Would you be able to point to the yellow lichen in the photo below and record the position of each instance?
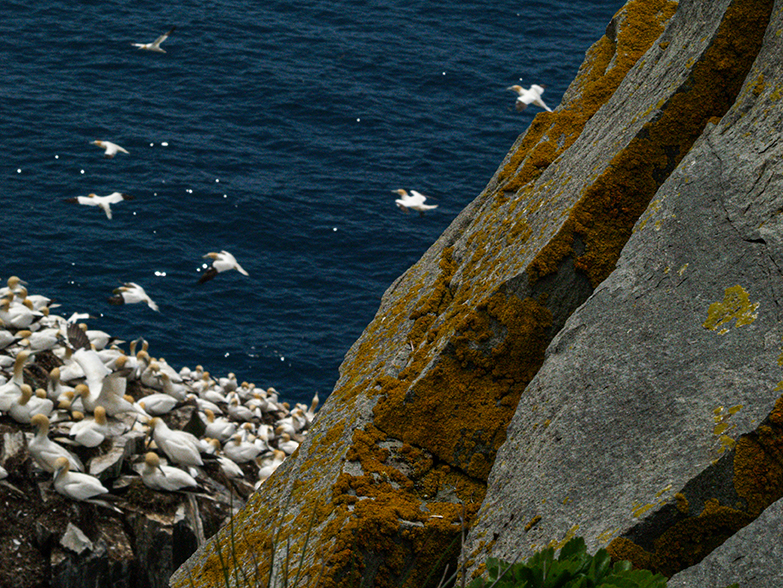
(735, 305)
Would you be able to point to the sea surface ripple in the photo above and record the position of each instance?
(286, 127)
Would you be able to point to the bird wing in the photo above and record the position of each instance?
(520, 105)
(210, 273)
(163, 37)
(114, 198)
(539, 102)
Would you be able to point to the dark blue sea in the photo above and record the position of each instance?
(274, 130)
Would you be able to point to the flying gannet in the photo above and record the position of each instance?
(110, 149)
(130, 293)
(413, 201)
(531, 96)
(102, 202)
(221, 262)
(155, 45)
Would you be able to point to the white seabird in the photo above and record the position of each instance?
(221, 262)
(45, 452)
(525, 97)
(155, 45)
(91, 432)
(161, 477)
(131, 293)
(110, 149)
(102, 202)
(74, 485)
(413, 201)
(28, 405)
(180, 447)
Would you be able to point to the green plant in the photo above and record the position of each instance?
(573, 568)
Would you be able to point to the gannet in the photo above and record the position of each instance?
(12, 287)
(74, 485)
(91, 432)
(162, 477)
(102, 202)
(110, 149)
(155, 45)
(218, 428)
(45, 452)
(157, 404)
(27, 405)
(240, 451)
(221, 262)
(17, 315)
(11, 390)
(42, 339)
(239, 411)
(130, 293)
(286, 444)
(270, 464)
(180, 447)
(414, 201)
(531, 96)
(95, 371)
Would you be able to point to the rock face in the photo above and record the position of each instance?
(655, 425)
(652, 424)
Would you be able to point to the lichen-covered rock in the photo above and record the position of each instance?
(751, 557)
(655, 426)
(402, 449)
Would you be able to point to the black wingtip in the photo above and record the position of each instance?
(208, 275)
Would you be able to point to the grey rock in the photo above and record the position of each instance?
(651, 424)
(748, 557)
(75, 540)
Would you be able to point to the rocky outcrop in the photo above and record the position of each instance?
(654, 425)
(659, 144)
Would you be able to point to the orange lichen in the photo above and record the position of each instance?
(604, 216)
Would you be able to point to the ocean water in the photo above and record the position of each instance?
(274, 130)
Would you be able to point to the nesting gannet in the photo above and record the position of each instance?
(11, 390)
(218, 428)
(102, 202)
(110, 149)
(157, 404)
(155, 45)
(527, 97)
(45, 452)
(180, 447)
(221, 262)
(131, 293)
(91, 432)
(18, 315)
(240, 451)
(12, 286)
(286, 444)
(74, 485)
(270, 464)
(42, 339)
(28, 405)
(162, 477)
(413, 201)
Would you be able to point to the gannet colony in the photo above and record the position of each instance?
(85, 421)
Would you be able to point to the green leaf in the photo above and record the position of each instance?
(600, 566)
(575, 546)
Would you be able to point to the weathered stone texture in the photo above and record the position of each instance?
(654, 426)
